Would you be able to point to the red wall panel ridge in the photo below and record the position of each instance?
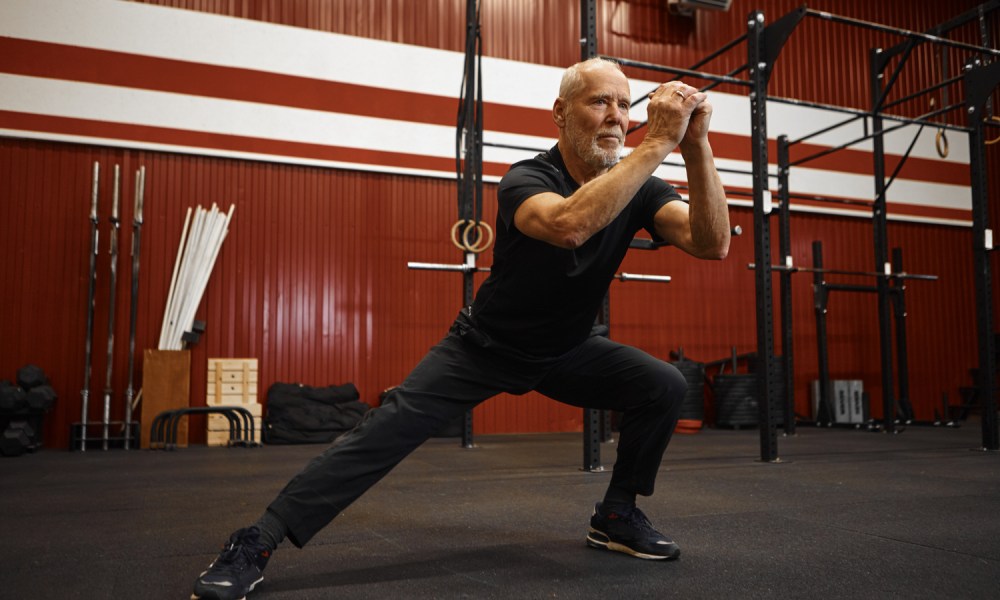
(312, 281)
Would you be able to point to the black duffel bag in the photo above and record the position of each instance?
(302, 414)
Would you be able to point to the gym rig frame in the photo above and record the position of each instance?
(764, 44)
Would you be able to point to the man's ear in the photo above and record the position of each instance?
(558, 112)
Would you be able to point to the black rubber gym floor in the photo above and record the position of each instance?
(847, 514)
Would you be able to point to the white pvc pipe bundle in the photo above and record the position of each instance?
(200, 242)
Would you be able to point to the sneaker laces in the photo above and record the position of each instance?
(239, 553)
(636, 518)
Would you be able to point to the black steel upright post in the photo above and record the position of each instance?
(785, 248)
(588, 29)
(902, 359)
(467, 297)
(605, 319)
(759, 73)
(470, 183)
(979, 84)
(823, 410)
(592, 418)
(881, 244)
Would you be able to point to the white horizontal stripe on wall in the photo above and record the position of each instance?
(150, 30)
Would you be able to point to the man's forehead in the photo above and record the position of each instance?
(608, 93)
(606, 81)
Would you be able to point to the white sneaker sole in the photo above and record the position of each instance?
(596, 539)
(250, 589)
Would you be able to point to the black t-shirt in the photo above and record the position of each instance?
(541, 299)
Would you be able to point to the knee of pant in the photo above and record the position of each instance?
(671, 386)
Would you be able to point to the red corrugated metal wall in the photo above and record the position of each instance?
(312, 279)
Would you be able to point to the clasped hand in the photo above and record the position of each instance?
(678, 114)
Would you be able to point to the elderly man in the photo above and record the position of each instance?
(565, 221)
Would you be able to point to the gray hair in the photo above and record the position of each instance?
(572, 79)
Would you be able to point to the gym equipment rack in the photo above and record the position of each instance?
(764, 44)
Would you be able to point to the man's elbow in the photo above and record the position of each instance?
(572, 241)
(565, 238)
(568, 233)
(717, 251)
(720, 253)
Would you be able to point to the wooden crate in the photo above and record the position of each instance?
(218, 426)
(219, 421)
(221, 438)
(231, 382)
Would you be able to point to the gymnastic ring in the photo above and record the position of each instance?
(479, 246)
(941, 143)
(465, 245)
(996, 139)
(454, 234)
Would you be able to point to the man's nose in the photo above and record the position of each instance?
(616, 114)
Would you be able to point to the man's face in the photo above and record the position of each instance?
(596, 117)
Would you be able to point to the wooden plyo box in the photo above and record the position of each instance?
(218, 426)
(231, 382)
(166, 385)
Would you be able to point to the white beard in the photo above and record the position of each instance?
(596, 157)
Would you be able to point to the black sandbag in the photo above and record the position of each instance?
(302, 414)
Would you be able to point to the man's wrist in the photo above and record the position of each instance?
(696, 150)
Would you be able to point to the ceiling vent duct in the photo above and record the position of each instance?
(687, 7)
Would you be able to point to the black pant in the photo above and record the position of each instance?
(466, 368)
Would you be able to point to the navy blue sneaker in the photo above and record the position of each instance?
(629, 531)
(238, 568)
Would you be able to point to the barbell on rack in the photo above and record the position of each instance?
(901, 275)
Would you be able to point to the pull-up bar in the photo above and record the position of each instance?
(710, 86)
(839, 147)
(975, 13)
(668, 163)
(828, 129)
(925, 37)
(678, 71)
(702, 63)
(873, 135)
(862, 113)
(665, 163)
(928, 89)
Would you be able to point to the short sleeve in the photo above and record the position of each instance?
(524, 180)
(654, 195)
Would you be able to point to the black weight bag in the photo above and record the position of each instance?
(302, 414)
